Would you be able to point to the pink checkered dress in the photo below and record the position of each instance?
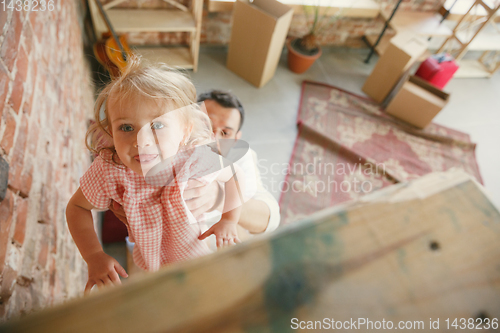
(164, 229)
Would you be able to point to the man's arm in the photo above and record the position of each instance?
(254, 216)
(261, 212)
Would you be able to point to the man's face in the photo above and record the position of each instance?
(225, 121)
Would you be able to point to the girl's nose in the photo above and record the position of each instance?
(145, 138)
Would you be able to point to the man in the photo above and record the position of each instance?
(261, 212)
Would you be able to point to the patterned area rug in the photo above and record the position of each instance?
(348, 147)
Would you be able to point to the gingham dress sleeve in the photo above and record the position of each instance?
(93, 185)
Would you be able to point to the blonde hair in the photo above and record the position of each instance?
(166, 86)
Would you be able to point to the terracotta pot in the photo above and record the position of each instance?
(298, 62)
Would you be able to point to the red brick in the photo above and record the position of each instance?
(33, 138)
(41, 26)
(16, 97)
(16, 165)
(6, 212)
(27, 178)
(3, 19)
(27, 105)
(52, 272)
(10, 130)
(22, 214)
(44, 247)
(27, 174)
(47, 200)
(35, 27)
(19, 82)
(4, 177)
(54, 238)
(9, 276)
(47, 53)
(33, 18)
(4, 87)
(28, 98)
(22, 64)
(10, 45)
(28, 38)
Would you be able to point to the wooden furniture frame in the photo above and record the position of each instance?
(472, 34)
(348, 8)
(425, 24)
(179, 19)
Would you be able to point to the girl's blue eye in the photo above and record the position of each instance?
(126, 128)
(157, 126)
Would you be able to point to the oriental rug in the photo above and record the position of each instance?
(347, 146)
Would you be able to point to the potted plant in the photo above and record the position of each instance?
(303, 52)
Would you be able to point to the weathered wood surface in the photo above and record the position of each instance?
(428, 249)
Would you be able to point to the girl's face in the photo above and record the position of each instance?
(143, 133)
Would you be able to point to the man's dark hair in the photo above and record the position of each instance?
(225, 99)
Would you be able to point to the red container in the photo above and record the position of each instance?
(437, 73)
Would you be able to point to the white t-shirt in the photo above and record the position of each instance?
(253, 190)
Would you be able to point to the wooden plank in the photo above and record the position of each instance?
(484, 41)
(461, 7)
(410, 252)
(163, 20)
(346, 8)
(112, 4)
(178, 56)
(97, 20)
(422, 23)
(471, 68)
(177, 5)
(220, 5)
(382, 45)
(197, 7)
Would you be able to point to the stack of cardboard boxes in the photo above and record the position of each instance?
(406, 97)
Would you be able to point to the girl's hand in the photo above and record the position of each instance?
(225, 233)
(103, 271)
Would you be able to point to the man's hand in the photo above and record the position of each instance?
(103, 271)
(201, 198)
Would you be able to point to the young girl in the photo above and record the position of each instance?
(150, 138)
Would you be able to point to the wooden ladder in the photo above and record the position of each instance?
(466, 37)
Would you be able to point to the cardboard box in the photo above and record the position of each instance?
(417, 102)
(403, 50)
(257, 39)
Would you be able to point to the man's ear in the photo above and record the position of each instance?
(238, 135)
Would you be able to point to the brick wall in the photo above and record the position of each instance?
(216, 27)
(46, 97)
